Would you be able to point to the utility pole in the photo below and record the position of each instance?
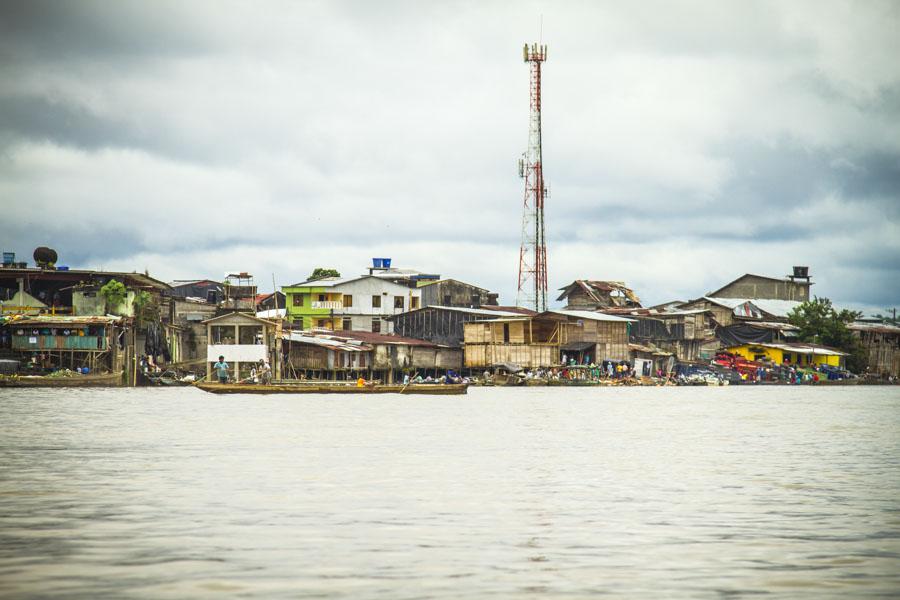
(533, 251)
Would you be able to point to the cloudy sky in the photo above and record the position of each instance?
(684, 143)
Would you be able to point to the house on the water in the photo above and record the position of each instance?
(794, 287)
(349, 354)
(353, 304)
(882, 344)
(541, 340)
(444, 324)
(243, 340)
(586, 294)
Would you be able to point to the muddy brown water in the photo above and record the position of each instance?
(505, 493)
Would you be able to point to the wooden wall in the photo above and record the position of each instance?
(525, 355)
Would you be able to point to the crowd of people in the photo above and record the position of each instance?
(572, 370)
(260, 372)
(452, 377)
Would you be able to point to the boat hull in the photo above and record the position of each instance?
(330, 388)
(102, 380)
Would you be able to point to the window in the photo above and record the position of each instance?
(222, 334)
(322, 323)
(476, 301)
(376, 325)
(348, 301)
(376, 301)
(414, 303)
(250, 334)
(448, 300)
(398, 302)
(506, 333)
(347, 324)
(298, 300)
(321, 297)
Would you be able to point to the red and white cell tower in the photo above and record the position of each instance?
(533, 252)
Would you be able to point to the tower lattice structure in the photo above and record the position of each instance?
(533, 251)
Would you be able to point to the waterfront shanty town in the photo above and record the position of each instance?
(393, 324)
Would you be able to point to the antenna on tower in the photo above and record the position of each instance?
(533, 251)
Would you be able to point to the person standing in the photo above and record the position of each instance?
(265, 372)
(221, 369)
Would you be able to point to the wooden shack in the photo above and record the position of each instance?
(58, 342)
(684, 333)
(385, 357)
(312, 356)
(243, 340)
(541, 340)
(442, 324)
(882, 344)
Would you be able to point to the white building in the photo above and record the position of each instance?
(356, 303)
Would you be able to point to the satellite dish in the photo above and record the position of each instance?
(45, 257)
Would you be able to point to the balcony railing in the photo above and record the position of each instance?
(328, 304)
(58, 342)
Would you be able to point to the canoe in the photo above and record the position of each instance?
(92, 380)
(331, 388)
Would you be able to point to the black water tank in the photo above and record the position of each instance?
(801, 272)
(45, 256)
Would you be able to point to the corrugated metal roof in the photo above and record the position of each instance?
(67, 320)
(371, 337)
(874, 327)
(474, 311)
(73, 275)
(650, 312)
(240, 314)
(327, 281)
(776, 308)
(593, 316)
(800, 348)
(331, 344)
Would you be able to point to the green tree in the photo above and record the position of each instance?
(145, 309)
(322, 273)
(820, 323)
(114, 293)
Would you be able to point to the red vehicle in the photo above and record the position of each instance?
(738, 363)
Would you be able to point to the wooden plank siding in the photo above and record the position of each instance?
(537, 342)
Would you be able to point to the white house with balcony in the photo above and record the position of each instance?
(352, 304)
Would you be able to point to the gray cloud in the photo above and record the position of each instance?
(684, 144)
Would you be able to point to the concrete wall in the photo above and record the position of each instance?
(450, 292)
(361, 311)
(753, 286)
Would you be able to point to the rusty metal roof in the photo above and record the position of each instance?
(67, 320)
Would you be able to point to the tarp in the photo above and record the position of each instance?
(737, 335)
(578, 346)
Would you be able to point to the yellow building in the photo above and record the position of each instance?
(794, 354)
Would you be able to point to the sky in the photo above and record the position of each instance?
(684, 143)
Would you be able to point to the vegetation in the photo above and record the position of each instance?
(114, 293)
(821, 323)
(145, 310)
(322, 273)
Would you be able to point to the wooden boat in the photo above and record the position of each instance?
(92, 380)
(323, 387)
(168, 378)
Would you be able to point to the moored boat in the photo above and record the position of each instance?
(322, 387)
(91, 380)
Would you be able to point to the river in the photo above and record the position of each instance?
(505, 493)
